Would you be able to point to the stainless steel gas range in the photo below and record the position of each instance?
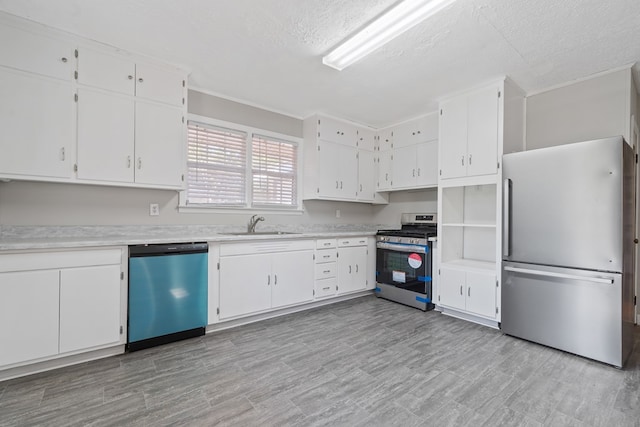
(404, 261)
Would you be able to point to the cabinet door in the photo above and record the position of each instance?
(365, 139)
(427, 164)
(245, 284)
(106, 71)
(159, 145)
(453, 138)
(366, 175)
(352, 269)
(482, 140)
(105, 136)
(336, 131)
(28, 315)
(35, 53)
(348, 167)
(385, 140)
(89, 307)
(160, 85)
(452, 288)
(328, 169)
(384, 173)
(481, 293)
(293, 277)
(404, 166)
(36, 118)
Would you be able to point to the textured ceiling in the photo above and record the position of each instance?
(268, 52)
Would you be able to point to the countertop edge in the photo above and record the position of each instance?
(17, 244)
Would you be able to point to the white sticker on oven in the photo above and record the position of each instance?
(415, 260)
(399, 276)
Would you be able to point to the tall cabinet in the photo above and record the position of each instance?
(476, 129)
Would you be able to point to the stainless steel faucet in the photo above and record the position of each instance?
(251, 227)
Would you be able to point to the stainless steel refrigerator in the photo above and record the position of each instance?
(567, 271)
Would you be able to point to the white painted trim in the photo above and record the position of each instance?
(579, 80)
(243, 101)
(47, 365)
(469, 317)
(282, 312)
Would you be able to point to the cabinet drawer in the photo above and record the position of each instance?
(326, 255)
(326, 243)
(352, 241)
(325, 271)
(325, 287)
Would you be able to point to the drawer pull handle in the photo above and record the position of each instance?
(326, 289)
(326, 271)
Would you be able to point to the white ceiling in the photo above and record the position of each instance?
(268, 52)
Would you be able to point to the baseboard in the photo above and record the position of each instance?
(470, 317)
(47, 365)
(227, 324)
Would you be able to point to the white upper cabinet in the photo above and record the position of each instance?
(332, 166)
(36, 118)
(36, 53)
(105, 136)
(329, 129)
(73, 110)
(106, 71)
(36, 105)
(157, 84)
(413, 156)
(366, 175)
(416, 131)
(365, 139)
(159, 163)
(130, 128)
(472, 130)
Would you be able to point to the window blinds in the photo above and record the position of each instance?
(216, 164)
(274, 170)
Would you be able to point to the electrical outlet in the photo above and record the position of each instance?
(154, 209)
(337, 213)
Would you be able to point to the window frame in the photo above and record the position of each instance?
(250, 131)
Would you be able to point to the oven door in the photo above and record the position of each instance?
(404, 266)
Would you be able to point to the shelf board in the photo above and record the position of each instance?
(462, 224)
(470, 264)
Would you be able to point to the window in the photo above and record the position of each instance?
(216, 166)
(274, 169)
(239, 168)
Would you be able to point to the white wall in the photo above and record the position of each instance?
(590, 109)
(410, 201)
(33, 203)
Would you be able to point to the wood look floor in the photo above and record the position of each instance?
(364, 362)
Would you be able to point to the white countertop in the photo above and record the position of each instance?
(31, 238)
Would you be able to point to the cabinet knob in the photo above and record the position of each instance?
(469, 292)
(63, 59)
(62, 154)
(461, 290)
(130, 77)
(462, 160)
(469, 158)
(140, 80)
(128, 162)
(139, 162)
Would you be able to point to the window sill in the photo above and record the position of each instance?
(237, 210)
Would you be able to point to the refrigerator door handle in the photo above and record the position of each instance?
(506, 218)
(559, 275)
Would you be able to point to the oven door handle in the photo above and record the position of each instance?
(403, 247)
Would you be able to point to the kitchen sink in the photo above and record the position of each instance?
(259, 233)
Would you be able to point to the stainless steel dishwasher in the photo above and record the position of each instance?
(167, 293)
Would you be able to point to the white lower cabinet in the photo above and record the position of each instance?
(470, 291)
(256, 277)
(89, 307)
(59, 303)
(28, 315)
(353, 254)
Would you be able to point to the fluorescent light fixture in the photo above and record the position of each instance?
(388, 26)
